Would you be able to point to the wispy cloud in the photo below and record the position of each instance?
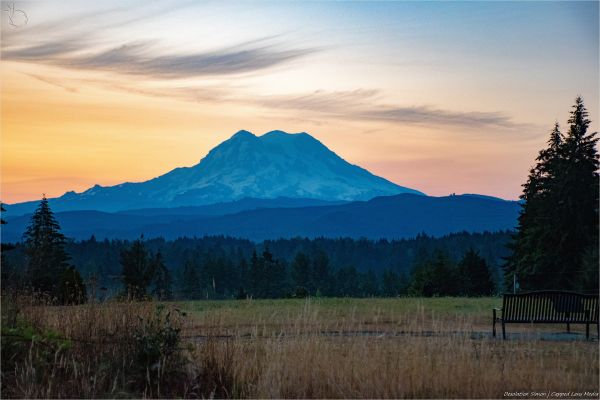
(365, 104)
(141, 58)
(430, 115)
(76, 42)
(54, 82)
(138, 58)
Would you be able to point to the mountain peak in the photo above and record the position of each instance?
(278, 132)
(243, 134)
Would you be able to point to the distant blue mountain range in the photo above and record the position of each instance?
(399, 216)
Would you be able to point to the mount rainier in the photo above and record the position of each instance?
(276, 164)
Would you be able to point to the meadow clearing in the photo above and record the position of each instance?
(302, 348)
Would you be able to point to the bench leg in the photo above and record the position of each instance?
(503, 331)
(494, 328)
(587, 331)
(568, 328)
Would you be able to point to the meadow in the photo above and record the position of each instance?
(296, 348)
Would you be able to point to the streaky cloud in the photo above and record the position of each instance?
(363, 104)
(137, 58)
(140, 58)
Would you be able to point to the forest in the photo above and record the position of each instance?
(223, 267)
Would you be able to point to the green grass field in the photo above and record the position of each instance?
(388, 315)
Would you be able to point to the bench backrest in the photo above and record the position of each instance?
(550, 306)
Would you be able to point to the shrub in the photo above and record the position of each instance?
(157, 348)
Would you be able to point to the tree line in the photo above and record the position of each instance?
(265, 276)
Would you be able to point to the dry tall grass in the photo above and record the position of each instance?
(400, 348)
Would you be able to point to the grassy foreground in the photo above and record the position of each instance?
(302, 348)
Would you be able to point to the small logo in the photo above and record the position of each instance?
(16, 18)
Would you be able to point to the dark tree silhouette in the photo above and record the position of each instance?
(138, 270)
(475, 277)
(45, 250)
(190, 280)
(2, 221)
(390, 283)
(321, 274)
(162, 278)
(557, 232)
(301, 273)
(435, 277)
(72, 289)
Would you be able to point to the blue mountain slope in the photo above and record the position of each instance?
(276, 164)
(232, 207)
(399, 216)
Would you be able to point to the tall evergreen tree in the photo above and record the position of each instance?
(72, 289)
(369, 284)
(435, 277)
(162, 278)
(10, 277)
(474, 275)
(577, 208)
(45, 250)
(558, 223)
(138, 270)
(255, 276)
(2, 210)
(301, 273)
(321, 274)
(242, 291)
(347, 282)
(273, 279)
(390, 283)
(190, 280)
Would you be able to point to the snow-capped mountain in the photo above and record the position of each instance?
(276, 164)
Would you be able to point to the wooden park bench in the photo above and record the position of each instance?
(548, 307)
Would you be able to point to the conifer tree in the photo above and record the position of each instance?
(2, 210)
(475, 278)
(390, 283)
(138, 270)
(321, 274)
(190, 280)
(72, 289)
(370, 284)
(347, 282)
(255, 278)
(435, 277)
(301, 273)
(45, 250)
(577, 208)
(162, 278)
(557, 229)
(273, 277)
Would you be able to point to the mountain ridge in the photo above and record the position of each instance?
(390, 217)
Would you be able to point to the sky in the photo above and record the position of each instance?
(443, 97)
